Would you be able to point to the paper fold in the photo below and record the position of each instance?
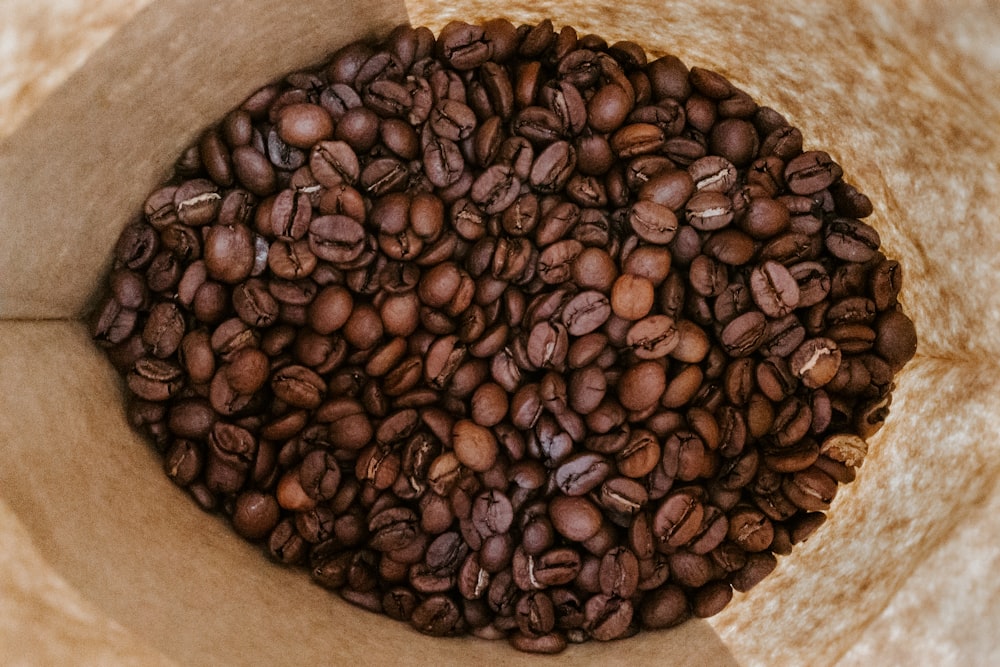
(133, 572)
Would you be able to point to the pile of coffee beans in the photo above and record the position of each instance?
(510, 332)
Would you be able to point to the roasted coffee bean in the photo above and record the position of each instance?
(744, 334)
(664, 608)
(851, 240)
(816, 362)
(586, 312)
(774, 289)
(652, 221)
(678, 519)
(811, 172)
(255, 514)
(895, 338)
(607, 617)
(509, 332)
(574, 517)
(298, 386)
(653, 337)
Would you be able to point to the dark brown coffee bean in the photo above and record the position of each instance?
(594, 269)
(653, 337)
(607, 617)
(437, 616)
(896, 338)
(653, 222)
(774, 289)
(713, 173)
(336, 238)
(323, 311)
(154, 379)
(641, 386)
(475, 446)
(677, 519)
(811, 172)
(708, 210)
(586, 312)
(711, 599)
(851, 240)
(333, 163)
(664, 608)
(547, 345)
(765, 218)
(255, 514)
(744, 334)
(302, 125)
(358, 127)
(574, 517)
(196, 202)
(463, 46)
(298, 386)
(735, 140)
(553, 167)
(254, 171)
(757, 567)
(816, 362)
(636, 139)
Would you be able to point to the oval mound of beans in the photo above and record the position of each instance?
(509, 331)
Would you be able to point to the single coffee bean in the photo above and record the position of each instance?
(302, 125)
(816, 362)
(811, 172)
(895, 338)
(851, 240)
(709, 210)
(574, 517)
(664, 608)
(652, 221)
(774, 289)
(475, 446)
(641, 386)
(586, 312)
(744, 334)
(255, 514)
(653, 337)
(678, 519)
(607, 617)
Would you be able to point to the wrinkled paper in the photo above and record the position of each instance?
(104, 561)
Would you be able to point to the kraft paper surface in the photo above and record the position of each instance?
(103, 561)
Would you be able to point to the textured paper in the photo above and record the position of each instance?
(104, 561)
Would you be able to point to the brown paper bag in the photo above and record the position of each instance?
(104, 561)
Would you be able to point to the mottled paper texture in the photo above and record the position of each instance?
(104, 561)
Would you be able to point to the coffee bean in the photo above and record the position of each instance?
(653, 337)
(811, 172)
(816, 362)
(475, 446)
(665, 608)
(774, 289)
(302, 125)
(607, 617)
(851, 240)
(744, 334)
(896, 338)
(255, 514)
(632, 297)
(586, 312)
(709, 210)
(574, 517)
(677, 519)
(653, 222)
(512, 315)
(641, 386)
